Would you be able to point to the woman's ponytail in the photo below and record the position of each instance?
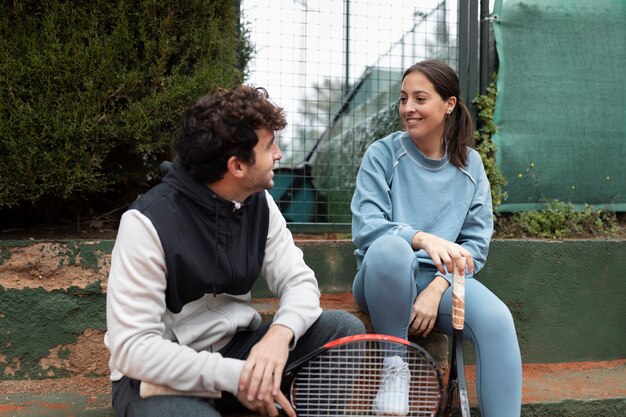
(459, 133)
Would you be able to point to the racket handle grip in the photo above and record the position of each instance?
(458, 297)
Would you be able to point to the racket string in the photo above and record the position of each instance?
(345, 381)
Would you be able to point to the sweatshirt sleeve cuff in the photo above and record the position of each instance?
(447, 276)
(295, 323)
(228, 374)
(407, 234)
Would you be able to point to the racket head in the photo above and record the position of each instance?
(344, 376)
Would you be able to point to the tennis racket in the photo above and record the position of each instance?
(456, 392)
(342, 378)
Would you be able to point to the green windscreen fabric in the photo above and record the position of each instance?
(561, 104)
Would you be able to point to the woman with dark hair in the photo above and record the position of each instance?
(423, 204)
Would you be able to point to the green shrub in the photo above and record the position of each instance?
(91, 91)
(557, 219)
(485, 106)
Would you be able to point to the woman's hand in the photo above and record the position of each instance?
(442, 252)
(426, 306)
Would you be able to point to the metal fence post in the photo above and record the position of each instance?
(469, 51)
(485, 44)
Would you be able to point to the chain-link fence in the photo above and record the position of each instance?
(336, 67)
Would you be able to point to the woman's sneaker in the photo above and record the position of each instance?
(392, 398)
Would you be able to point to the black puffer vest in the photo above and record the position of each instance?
(210, 244)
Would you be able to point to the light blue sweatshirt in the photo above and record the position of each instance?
(400, 191)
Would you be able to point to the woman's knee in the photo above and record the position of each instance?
(485, 313)
(389, 245)
(492, 320)
(389, 254)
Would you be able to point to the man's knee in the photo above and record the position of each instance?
(343, 322)
(179, 406)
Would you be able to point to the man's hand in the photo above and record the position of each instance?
(266, 408)
(259, 384)
(442, 251)
(426, 306)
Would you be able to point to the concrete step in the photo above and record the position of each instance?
(585, 389)
(52, 321)
(573, 389)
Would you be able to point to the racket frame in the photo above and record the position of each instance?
(457, 384)
(291, 371)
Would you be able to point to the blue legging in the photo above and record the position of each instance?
(388, 282)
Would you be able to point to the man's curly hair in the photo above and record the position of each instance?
(221, 124)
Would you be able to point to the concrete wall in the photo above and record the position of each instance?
(567, 298)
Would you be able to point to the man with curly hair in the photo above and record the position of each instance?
(187, 254)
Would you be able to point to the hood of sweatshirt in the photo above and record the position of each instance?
(211, 245)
